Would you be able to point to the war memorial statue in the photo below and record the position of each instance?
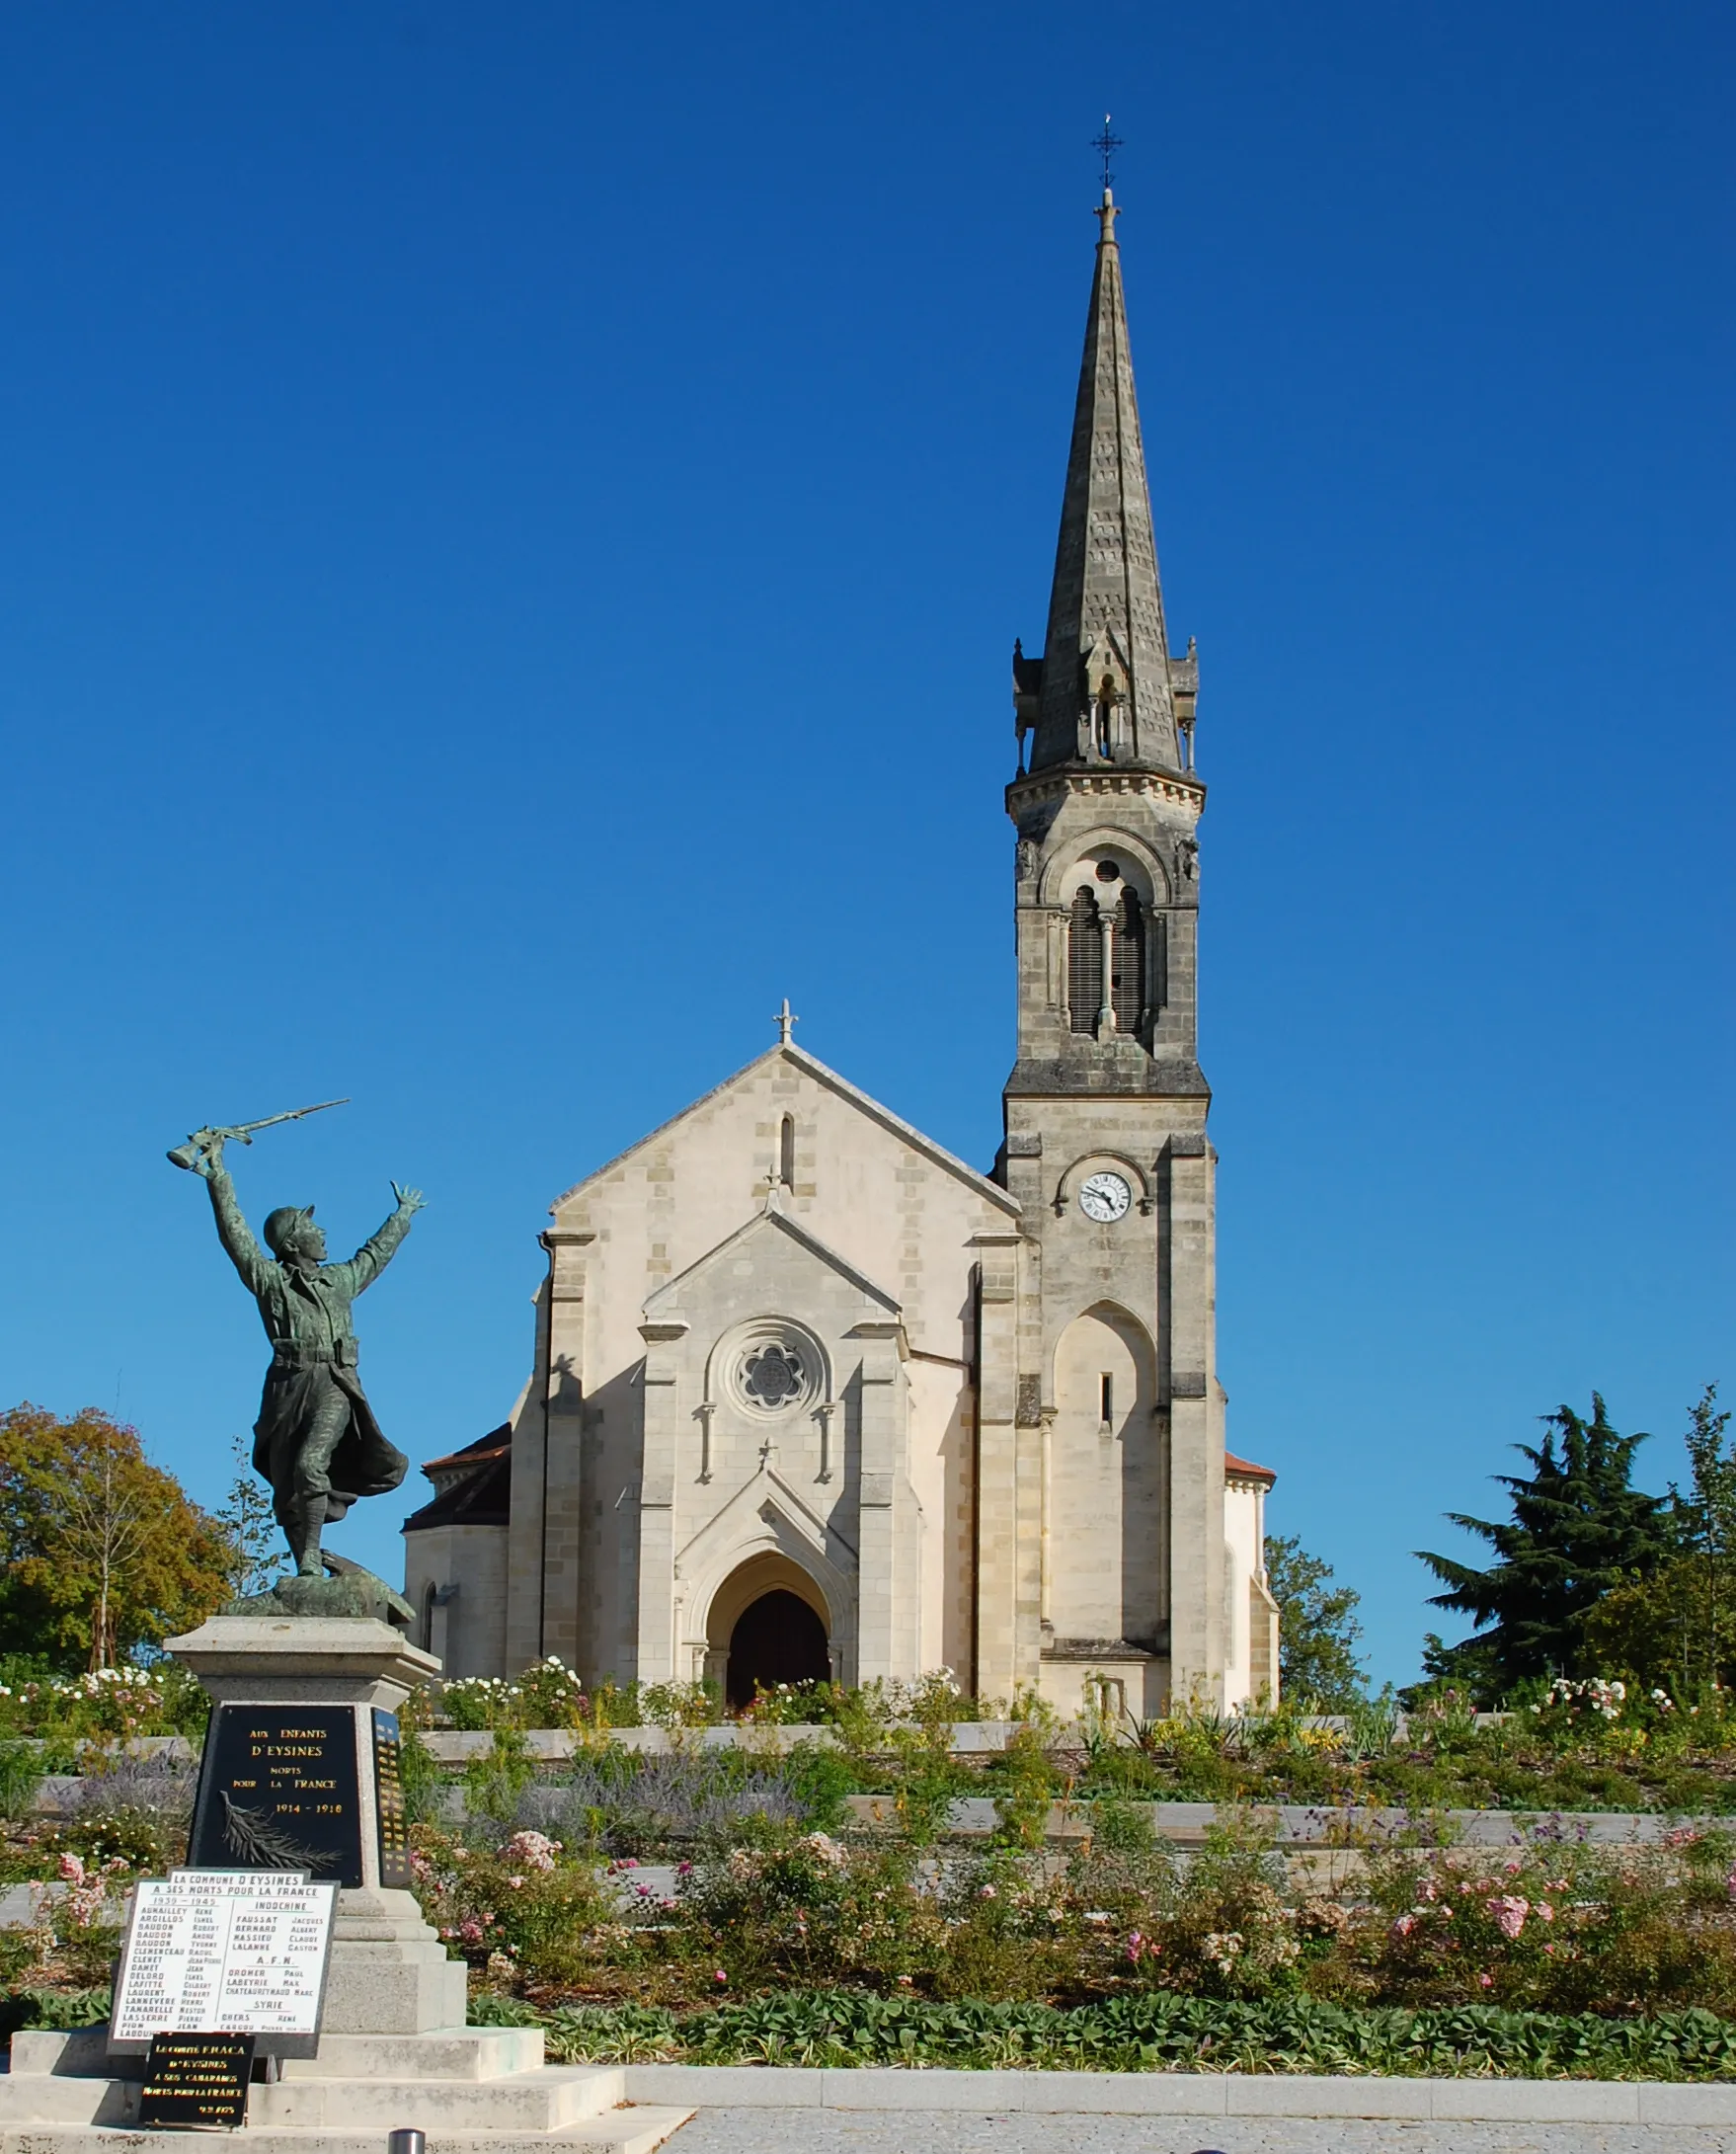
(316, 1440)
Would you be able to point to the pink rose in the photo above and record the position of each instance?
(1509, 1911)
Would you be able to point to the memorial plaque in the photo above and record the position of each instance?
(388, 1797)
(280, 1788)
(196, 2082)
(235, 1952)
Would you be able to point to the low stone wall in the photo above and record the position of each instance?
(969, 1738)
(1186, 1824)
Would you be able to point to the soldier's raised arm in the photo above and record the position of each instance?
(233, 1231)
(379, 1251)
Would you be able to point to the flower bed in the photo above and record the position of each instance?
(768, 1886)
(763, 1904)
(1578, 1746)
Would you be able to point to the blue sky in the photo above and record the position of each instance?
(513, 524)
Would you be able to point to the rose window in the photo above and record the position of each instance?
(772, 1376)
(775, 1367)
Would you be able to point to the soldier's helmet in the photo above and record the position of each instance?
(281, 1225)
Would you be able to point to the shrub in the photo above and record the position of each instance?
(522, 1910)
(1547, 1923)
(618, 1803)
(782, 1906)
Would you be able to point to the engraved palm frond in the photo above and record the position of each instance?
(261, 1842)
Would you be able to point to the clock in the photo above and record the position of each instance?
(1104, 1197)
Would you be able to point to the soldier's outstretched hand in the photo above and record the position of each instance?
(408, 1200)
(209, 1158)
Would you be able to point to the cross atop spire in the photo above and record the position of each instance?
(784, 1019)
(1106, 689)
(1107, 144)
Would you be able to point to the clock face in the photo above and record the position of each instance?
(1104, 1197)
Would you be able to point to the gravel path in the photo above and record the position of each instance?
(939, 2132)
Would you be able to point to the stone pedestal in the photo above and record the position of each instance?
(390, 1973)
(297, 1700)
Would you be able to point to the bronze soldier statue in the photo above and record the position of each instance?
(316, 1440)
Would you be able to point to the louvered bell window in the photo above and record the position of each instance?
(1084, 964)
(1128, 989)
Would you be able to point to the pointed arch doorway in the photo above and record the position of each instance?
(768, 1623)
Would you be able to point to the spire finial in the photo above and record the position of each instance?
(784, 1019)
(1106, 145)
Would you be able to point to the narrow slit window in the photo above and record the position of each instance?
(1106, 1395)
(786, 1152)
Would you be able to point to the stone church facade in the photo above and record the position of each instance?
(811, 1395)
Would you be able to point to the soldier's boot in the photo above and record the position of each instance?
(304, 1537)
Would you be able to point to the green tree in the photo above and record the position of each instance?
(1677, 1626)
(100, 1550)
(250, 1527)
(1317, 1629)
(1579, 1529)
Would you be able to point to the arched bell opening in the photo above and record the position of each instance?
(768, 1624)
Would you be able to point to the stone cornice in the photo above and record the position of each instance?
(1062, 780)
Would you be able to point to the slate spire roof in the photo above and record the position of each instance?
(1106, 688)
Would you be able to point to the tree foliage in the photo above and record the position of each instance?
(1677, 1626)
(248, 1525)
(1317, 1629)
(1579, 1531)
(100, 1550)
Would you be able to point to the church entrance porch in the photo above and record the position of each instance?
(768, 1622)
(777, 1639)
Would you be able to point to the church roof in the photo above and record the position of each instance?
(473, 1484)
(1106, 604)
(811, 1067)
(1244, 1470)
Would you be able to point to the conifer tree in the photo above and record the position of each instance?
(1579, 1529)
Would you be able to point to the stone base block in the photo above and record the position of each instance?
(389, 1971)
(394, 1996)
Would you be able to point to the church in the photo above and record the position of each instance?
(808, 1395)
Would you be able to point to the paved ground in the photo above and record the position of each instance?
(937, 2131)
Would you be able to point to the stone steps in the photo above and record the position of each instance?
(456, 2053)
(543, 2101)
(468, 2088)
(621, 2131)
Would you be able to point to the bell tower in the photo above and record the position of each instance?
(1105, 1108)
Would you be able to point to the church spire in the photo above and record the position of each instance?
(1106, 689)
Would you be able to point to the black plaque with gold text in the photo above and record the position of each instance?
(388, 1797)
(196, 2082)
(280, 1789)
